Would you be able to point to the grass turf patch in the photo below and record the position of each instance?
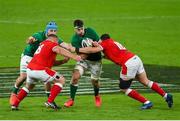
(115, 106)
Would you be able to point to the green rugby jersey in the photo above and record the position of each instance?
(91, 34)
(31, 48)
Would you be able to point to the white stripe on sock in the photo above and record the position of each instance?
(147, 102)
(25, 89)
(165, 96)
(59, 84)
(16, 86)
(74, 84)
(47, 92)
(150, 84)
(128, 91)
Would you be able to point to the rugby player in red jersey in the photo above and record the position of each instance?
(33, 43)
(131, 68)
(39, 68)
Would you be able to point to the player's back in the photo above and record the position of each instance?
(44, 56)
(115, 51)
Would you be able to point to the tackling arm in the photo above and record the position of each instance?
(64, 52)
(90, 49)
(65, 45)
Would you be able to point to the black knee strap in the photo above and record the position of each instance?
(125, 84)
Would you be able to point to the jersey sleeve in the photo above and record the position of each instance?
(60, 41)
(37, 36)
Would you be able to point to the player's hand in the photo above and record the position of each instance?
(95, 44)
(78, 58)
(30, 40)
(72, 49)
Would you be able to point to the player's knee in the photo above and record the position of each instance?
(125, 84)
(79, 70)
(74, 81)
(75, 77)
(60, 79)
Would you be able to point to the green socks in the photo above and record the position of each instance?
(96, 91)
(15, 90)
(73, 90)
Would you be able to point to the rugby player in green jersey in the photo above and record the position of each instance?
(33, 43)
(91, 62)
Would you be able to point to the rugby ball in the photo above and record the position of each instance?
(86, 42)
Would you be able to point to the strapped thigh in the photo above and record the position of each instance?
(125, 84)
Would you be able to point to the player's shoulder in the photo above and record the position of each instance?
(49, 42)
(42, 33)
(74, 37)
(89, 29)
(39, 35)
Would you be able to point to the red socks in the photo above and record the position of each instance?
(154, 86)
(135, 95)
(21, 95)
(55, 90)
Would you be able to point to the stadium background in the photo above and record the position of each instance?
(149, 28)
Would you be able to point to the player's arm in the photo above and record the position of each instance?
(64, 52)
(87, 50)
(60, 62)
(35, 37)
(65, 45)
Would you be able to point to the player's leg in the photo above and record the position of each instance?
(59, 81)
(125, 87)
(19, 81)
(47, 87)
(128, 73)
(55, 90)
(142, 77)
(96, 68)
(23, 93)
(73, 88)
(22, 77)
(77, 73)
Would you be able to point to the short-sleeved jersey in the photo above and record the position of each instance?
(31, 48)
(115, 52)
(44, 56)
(89, 34)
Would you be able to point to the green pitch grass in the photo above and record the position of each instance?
(149, 28)
(115, 106)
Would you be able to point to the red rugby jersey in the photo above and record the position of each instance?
(44, 56)
(115, 52)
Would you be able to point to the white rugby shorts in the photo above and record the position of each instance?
(95, 67)
(24, 62)
(46, 75)
(131, 68)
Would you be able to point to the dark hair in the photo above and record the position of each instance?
(105, 36)
(78, 23)
(53, 35)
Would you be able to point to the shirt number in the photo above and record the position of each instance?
(121, 47)
(39, 49)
